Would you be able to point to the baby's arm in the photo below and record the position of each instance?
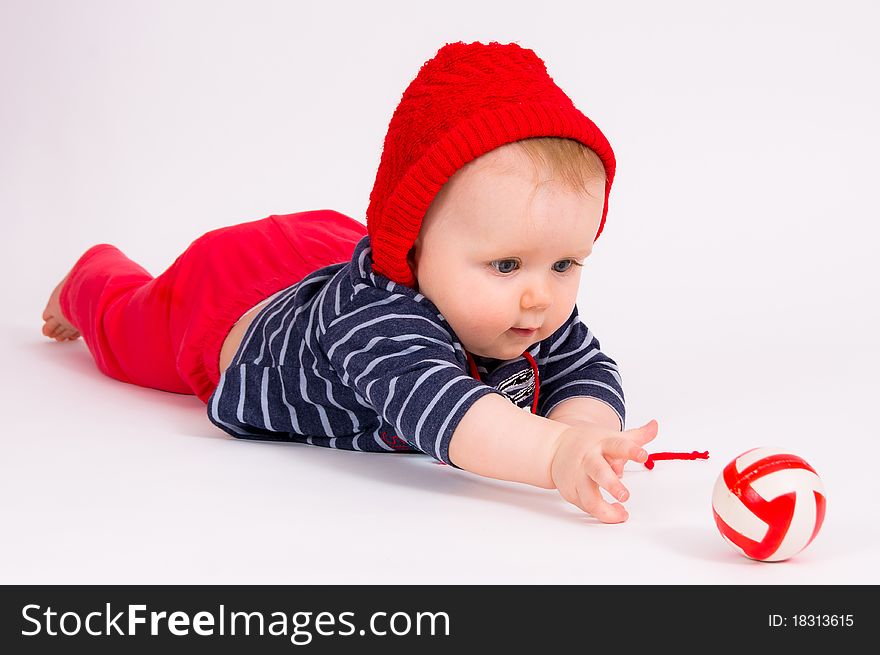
(585, 410)
(499, 440)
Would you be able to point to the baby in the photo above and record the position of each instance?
(448, 327)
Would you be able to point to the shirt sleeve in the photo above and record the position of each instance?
(572, 364)
(400, 358)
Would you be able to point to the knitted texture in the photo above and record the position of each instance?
(465, 101)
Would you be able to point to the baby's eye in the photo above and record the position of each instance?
(562, 265)
(505, 265)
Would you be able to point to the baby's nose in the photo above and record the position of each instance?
(536, 296)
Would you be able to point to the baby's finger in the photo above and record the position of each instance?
(623, 448)
(603, 475)
(643, 434)
(591, 501)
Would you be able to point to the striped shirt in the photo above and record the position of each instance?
(346, 358)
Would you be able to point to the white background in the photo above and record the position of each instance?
(736, 282)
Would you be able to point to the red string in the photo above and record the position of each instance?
(649, 463)
(534, 366)
(476, 375)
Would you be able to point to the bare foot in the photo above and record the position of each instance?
(56, 326)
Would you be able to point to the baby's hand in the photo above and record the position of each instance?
(583, 461)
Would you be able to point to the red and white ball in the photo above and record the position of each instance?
(768, 504)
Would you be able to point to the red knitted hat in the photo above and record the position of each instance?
(465, 101)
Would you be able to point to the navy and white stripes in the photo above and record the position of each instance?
(348, 359)
(572, 364)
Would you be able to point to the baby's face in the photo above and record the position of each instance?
(499, 252)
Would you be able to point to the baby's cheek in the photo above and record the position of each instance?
(481, 310)
(491, 319)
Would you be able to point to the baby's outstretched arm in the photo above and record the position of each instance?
(583, 409)
(499, 440)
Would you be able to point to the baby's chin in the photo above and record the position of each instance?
(503, 351)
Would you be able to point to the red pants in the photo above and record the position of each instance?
(166, 332)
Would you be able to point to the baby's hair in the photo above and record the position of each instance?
(566, 159)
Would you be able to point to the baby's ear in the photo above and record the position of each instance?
(412, 260)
